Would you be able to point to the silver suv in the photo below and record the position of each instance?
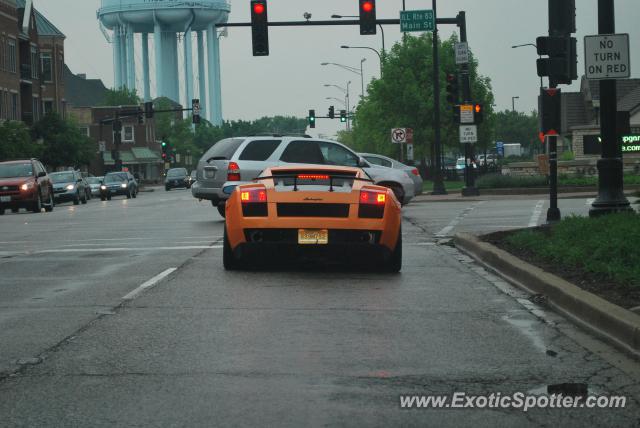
(233, 161)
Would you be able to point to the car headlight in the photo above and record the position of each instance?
(103, 187)
(70, 187)
(123, 185)
(27, 186)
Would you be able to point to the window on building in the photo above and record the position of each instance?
(3, 109)
(85, 130)
(35, 105)
(47, 72)
(47, 107)
(34, 63)
(12, 59)
(127, 133)
(14, 106)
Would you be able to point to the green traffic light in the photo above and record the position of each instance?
(164, 144)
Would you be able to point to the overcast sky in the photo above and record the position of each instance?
(290, 81)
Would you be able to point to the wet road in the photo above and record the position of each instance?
(120, 313)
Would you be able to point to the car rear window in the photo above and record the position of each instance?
(259, 150)
(224, 149)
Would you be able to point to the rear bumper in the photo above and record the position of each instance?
(198, 190)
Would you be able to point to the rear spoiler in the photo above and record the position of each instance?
(331, 178)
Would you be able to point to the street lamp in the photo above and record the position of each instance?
(346, 92)
(336, 99)
(366, 47)
(535, 46)
(351, 69)
(513, 103)
(353, 16)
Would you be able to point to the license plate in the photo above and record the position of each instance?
(313, 236)
(5, 198)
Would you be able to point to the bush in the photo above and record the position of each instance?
(567, 156)
(497, 181)
(606, 245)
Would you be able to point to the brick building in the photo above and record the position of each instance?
(31, 63)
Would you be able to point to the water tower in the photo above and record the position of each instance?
(167, 21)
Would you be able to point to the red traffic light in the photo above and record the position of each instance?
(258, 8)
(478, 108)
(451, 77)
(367, 6)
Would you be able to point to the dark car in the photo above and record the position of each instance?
(69, 186)
(177, 177)
(25, 184)
(118, 183)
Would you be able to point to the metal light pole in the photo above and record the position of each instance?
(438, 183)
(346, 98)
(336, 99)
(354, 16)
(611, 197)
(366, 47)
(539, 56)
(351, 69)
(513, 103)
(362, 79)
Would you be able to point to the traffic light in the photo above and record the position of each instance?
(140, 117)
(259, 28)
(343, 116)
(195, 110)
(478, 113)
(165, 151)
(453, 91)
(367, 17)
(148, 110)
(312, 118)
(332, 112)
(550, 105)
(562, 65)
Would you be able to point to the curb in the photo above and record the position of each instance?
(610, 322)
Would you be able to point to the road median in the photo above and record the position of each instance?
(611, 322)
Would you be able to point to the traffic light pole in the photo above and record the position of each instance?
(470, 188)
(611, 196)
(553, 213)
(438, 183)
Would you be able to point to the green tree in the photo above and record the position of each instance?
(517, 127)
(64, 144)
(403, 97)
(16, 143)
(121, 97)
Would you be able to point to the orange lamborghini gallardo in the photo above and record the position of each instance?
(313, 212)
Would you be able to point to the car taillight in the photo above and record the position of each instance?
(415, 172)
(371, 197)
(233, 172)
(253, 195)
(254, 202)
(372, 203)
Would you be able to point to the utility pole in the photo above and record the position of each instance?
(470, 188)
(611, 196)
(438, 184)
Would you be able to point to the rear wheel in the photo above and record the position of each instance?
(229, 261)
(399, 192)
(394, 264)
(221, 209)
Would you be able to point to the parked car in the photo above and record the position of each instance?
(118, 183)
(94, 185)
(177, 177)
(25, 184)
(193, 177)
(387, 162)
(69, 186)
(232, 161)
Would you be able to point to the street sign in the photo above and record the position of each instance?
(410, 152)
(468, 134)
(399, 135)
(462, 53)
(500, 148)
(417, 20)
(466, 113)
(409, 132)
(606, 56)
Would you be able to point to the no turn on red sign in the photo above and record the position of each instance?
(606, 56)
(402, 135)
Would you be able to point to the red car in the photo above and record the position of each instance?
(25, 184)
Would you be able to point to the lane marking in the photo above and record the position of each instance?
(537, 212)
(447, 230)
(97, 250)
(148, 284)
